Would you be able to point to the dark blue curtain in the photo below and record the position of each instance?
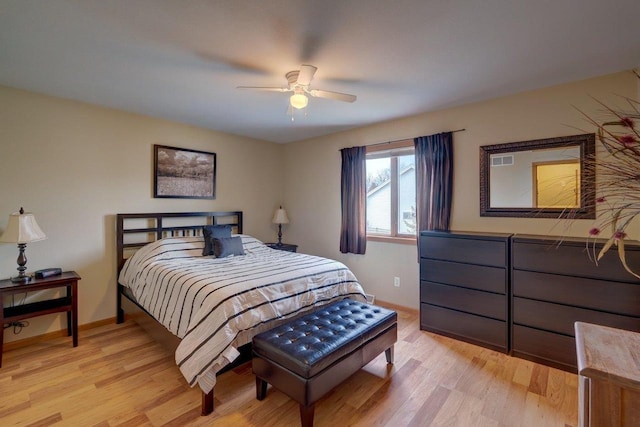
(434, 181)
(353, 232)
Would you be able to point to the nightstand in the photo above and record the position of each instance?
(283, 247)
(68, 303)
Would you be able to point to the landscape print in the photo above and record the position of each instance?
(183, 173)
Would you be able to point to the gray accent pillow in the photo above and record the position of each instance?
(211, 232)
(227, 246)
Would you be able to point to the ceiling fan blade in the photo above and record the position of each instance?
(271, 89)
(306, 74)
(332, 95)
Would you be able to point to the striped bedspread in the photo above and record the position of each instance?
(216, 305)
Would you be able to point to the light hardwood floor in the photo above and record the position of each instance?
(118, 376)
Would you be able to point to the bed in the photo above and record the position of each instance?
(208, 308)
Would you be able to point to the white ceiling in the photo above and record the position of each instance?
(182, 59)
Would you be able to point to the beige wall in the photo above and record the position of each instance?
(312, 174)
(76, 165)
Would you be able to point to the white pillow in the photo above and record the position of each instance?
(251, 245)
(167, 248)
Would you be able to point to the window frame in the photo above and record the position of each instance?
(394, 237)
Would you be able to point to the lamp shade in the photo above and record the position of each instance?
(22, 228)
(280, 217)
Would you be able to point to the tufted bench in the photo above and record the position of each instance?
(307, 357)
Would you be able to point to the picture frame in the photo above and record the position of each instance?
(181, 173)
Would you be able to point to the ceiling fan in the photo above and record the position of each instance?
(299, 81)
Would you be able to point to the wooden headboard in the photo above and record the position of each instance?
(135, 230)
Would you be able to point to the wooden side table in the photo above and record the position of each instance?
(609, 376)
(287, 247)
(68, 303)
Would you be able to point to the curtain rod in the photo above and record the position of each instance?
(404, 139)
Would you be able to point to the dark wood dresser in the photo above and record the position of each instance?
(464, 283)
(554, 285)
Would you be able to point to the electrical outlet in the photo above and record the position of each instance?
(396, 282)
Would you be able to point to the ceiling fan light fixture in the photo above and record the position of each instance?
(298, 100)
(298, 83)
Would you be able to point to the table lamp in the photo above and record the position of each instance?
(22, 229)
(280, 217)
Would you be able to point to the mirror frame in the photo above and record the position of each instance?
(587, 209)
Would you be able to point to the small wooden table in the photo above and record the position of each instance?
(68, 303)
(609, 376)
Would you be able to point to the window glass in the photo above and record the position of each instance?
(391, 193)
(379, 196)
(406, 195)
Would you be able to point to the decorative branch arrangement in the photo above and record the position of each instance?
(618, 176)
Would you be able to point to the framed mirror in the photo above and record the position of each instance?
(543, 178)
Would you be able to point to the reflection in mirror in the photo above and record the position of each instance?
(536, 178)
(540, 178)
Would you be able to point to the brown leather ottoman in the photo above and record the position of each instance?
(307, 357)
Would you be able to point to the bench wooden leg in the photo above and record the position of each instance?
(261, 388)
(207, 403)
(389, 354)
(306, 415)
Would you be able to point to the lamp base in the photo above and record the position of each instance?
(279, 234)
(21, 279)
(22, 265)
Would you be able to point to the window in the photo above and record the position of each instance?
(391, 191)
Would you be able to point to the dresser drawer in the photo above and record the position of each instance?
(561, 318)
(570, 258)
(462, 299)
(615, 297)
(471, 249)
(490, 279)
(468, 327)
(544, 347)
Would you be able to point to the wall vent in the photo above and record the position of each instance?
(506, 160)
